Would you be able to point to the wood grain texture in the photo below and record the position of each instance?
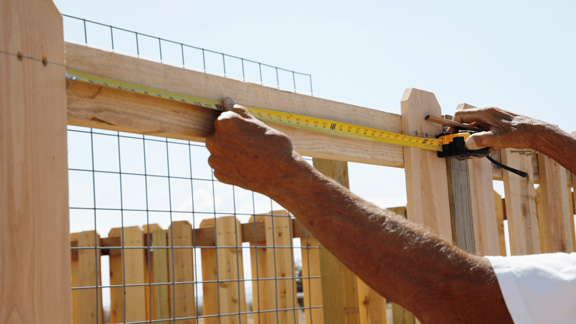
(312, 287)
(274, 261)
(461, 204)
(426, 177)
(339, 284)
(34, 226)
(127, 267)
(231, 293)
(157, 296)
(278, 235)
(472, 204)
(181, 269)
(500, 216)
(86, 273)
(556, 232)
(103, 108)
(521, 210)
(209, 273)
(262, 289)
(372, 306)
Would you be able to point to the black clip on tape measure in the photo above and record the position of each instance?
(453, 146)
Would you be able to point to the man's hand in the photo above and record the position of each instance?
(500, 129)
(247, 153)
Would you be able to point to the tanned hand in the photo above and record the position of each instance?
(406, 264)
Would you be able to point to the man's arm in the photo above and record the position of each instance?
(503, 129)
(438, 282)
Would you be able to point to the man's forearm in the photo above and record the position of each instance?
(401, 261)
(558, 145)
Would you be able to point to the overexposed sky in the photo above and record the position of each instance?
(517, 55)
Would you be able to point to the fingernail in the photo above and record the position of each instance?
(471, 143)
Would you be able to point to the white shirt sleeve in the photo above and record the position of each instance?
(538, 288)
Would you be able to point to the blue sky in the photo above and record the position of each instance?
(517, 55)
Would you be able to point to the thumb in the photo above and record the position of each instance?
(229, 105)
(479, 140)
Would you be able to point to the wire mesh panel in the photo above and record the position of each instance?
(156, 239)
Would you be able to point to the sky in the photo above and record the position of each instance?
(516, 55)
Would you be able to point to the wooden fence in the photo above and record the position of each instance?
(155, 267)
(452, 198)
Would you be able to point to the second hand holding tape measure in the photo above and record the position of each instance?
(446, 144)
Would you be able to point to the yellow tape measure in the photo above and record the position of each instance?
(314, 124)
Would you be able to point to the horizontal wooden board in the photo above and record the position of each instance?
(94, 106)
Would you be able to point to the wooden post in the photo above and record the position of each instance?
(127, 269)
(521, 210)
(181, 269)
(158, 305)
(472, 202)
(312, 287)
(339, 284)
(555, 221)
(34, 225)
(426, 177)
(86, 303)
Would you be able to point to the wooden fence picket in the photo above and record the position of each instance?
(127, 269)
(157, 263)
(555, 223)
(86, 273)
(181, 272)
(312, 287)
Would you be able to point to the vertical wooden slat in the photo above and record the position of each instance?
(461, 204)
(372, 306)
(472, 204)
(521, 208)
(209, 273)
(34, 225)
(231, 293)
(555, 219)
(339, 284)
(262, 289)
(87, 303)
(181, 269)
(157, 264)
(499, 203)
(484, 209)
(339, 290)
(399, 314)
(127, 269)
(312, 287)
(426, 177)
(402, 316)
(278, 235)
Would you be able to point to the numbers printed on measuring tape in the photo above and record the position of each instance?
(293, 120)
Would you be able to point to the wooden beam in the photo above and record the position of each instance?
(426, 177)
(34, 217)
(112, 109)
